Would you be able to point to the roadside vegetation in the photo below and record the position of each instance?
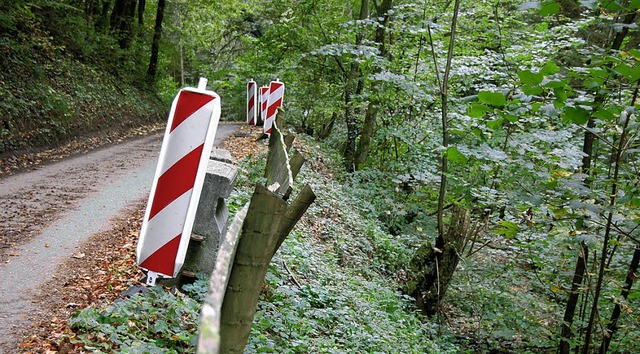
(476, 162)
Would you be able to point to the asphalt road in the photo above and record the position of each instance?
(47, 213)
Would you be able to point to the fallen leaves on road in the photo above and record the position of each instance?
(30, 159)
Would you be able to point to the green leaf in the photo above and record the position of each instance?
(507, 228)
(478, 133)
(549, 68)
(531, 90)
(561, 94)
(554, 84)
(495, 99)
(548, 8)
(604, 114)
(511, 118)
(611, 6)
(529, 77)
(634, 5)
(477, 110)
(630, 73)
(634, 295)
(576, 115)
(454, 155)
(495, 124)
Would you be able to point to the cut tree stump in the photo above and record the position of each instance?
(431, 268)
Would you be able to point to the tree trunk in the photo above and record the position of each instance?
(141, 6)
(615, 316)
(102, 21)
(616, 155)
(432, 268)
(578, 277)
(155, 44)
(122, 20)
(369, 125)
(353, 84)
(268, 222)
(327, 128)
(587, 149)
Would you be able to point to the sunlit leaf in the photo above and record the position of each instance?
(508, 229)
(549, 8)
(477, 110)
(495, 124)
(495, 99)
(531, 90)
(529, 77)
(576, 115)
(550, 68)
(454, 155)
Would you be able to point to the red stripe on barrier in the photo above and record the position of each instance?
(271, 110)
(187, 104)
(178, 179)
(159, 261)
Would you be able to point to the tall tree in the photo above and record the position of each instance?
(371, 113)
(155, 43)
(353, 84)
(122, 21)
(141, 6)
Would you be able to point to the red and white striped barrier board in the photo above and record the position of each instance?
(175, 192)
(252, 107)
(264, 97)
(276, 93)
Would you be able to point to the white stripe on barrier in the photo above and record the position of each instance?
(186, 136)
(163, 226)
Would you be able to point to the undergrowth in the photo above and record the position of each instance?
(331, 288)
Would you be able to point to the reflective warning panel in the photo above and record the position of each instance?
(264, 97)
(276, 94)
(252, 98)
(175, 192)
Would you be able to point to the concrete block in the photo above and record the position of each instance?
(212, 215)
(221, 155)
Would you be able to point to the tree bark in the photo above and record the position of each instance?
(432, 268)
(578, 277)
(268, 222)
(141, 6)
(122, 20)
(155, 44)
(616, 155)
(615, 316)
(103, 19)
(369, 125)
(352, 85)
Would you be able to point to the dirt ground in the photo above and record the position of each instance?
(104, 265)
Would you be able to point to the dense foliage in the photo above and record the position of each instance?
(523, 114)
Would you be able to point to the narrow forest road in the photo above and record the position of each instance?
(47, 213)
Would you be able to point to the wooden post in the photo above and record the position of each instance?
(226, 324)
(209, 338)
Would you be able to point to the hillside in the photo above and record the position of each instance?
(51, 93)
(334, 286)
